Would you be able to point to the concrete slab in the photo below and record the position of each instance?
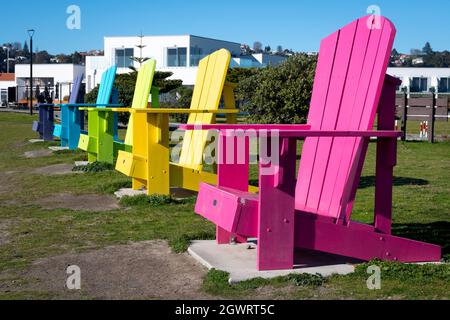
(128, 192)
(58, 148)
(177, 193)
(81, 163)
(36, 141)
(240, 261)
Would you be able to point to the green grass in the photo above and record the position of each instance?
(442, 128)
(421, 212)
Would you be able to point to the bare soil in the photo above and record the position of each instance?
(4, 234)
(85, 202)
(56, 169)
(144, 270)
(38, 153)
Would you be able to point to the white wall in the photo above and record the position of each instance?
(433, 75)
(60, 73)
(156, 48)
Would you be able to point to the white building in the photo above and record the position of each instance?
(177, 54)
(418, 80)
(256, 60)
(7, 80)
(57, 77)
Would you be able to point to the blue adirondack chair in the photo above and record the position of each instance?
(72, 123)
(45, 125)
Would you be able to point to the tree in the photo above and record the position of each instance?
(139, 59)
(26, 50)
(245, 49)
(236, 75)
(427, 49)
(279, 94)
(77, 58)
(257, 47)
(395, 54)
(42, 57)
(267, 49)
(279, 49)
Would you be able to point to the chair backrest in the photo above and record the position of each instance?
(349, 78)
(141, 94)
(76, 88)
(211, 76)
(106, 85)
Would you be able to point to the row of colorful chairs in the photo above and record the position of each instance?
(309, 210)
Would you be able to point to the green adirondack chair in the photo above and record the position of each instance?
(100, 142)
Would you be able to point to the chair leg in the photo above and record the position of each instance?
(277, 211)
(158, 181)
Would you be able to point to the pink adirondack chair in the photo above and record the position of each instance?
(313, 212)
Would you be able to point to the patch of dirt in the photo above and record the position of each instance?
(38, 153)
(144, 270)
(7, 183)
(56, 169)
(85, 202)
(4, 234)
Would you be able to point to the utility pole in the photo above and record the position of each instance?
(7, 48)
(31, 34)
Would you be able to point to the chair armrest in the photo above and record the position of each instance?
(257, 127)
(92, 105)
(164, 111)
(294, 131)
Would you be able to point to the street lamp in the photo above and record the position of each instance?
(31, 34)
(7, 48)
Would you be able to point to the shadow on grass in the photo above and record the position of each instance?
(435, 233)
(369, 181)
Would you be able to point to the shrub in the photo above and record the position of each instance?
(153, 200)
(279, 94)
(95, 167)
(306, 279)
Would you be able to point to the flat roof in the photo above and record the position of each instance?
(50, 64)
(175, 35)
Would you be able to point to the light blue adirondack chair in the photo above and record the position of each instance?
(72, 118)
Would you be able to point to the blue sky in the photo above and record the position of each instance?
(296, 24)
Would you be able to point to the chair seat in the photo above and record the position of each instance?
(233, 210)
(237, 211)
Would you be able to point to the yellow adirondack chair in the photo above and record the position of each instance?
(148, 164)
(100, 142)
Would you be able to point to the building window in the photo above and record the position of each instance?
(4, 97)
(177, 57)
(444, 85)
(124, 57)
(196, 56)
(419, 85)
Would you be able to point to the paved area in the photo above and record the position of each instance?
(240, 261)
